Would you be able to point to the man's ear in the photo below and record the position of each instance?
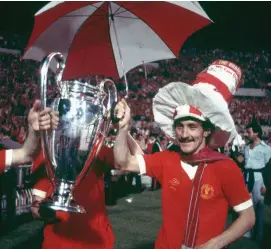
(206, 133)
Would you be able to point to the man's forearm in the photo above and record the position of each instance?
(244, 223)
(32, 143)
(134, 147)
(30, 148)
(121, 149)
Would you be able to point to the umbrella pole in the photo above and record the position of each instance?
(120, 54)
(145, 70)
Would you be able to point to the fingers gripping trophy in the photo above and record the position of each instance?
(85, 113)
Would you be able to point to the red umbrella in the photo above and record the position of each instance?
(99, 38)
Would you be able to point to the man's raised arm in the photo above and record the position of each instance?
(123, 158)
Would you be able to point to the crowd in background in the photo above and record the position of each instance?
(18, 88)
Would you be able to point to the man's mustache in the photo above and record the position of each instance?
(185, 140)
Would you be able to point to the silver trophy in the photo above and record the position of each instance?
(84, 114)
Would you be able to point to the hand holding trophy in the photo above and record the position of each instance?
(83, 124)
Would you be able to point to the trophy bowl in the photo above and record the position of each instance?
(84, 122)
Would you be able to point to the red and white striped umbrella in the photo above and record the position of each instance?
(98, 38)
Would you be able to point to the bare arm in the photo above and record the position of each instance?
(123, 158)
(30, 148)
(134, 147)
(44, 120)
(245, 221)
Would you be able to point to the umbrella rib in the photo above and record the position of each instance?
(98, 7)
(117, 10)
(128, 17)
(109, 28)
(88, 15)
(80, 15)
(125, 10)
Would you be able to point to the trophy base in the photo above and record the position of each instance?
(62, 199)
(71, 207)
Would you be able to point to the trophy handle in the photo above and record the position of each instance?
(44, 71)
(43, 91)
(112, 98)
(112, 95)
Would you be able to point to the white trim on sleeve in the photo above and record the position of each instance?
(8, 157)
(39, 193)
(141, 164)
(243, 206)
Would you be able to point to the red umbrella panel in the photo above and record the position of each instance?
(111, 38)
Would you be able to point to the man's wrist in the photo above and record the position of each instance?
(31, 130)
(124, 129)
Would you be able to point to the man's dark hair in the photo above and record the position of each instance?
(208, 126)
(256, 128)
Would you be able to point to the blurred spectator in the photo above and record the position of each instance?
(21, 136)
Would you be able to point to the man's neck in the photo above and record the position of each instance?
(186, 154)
(255, 142)
(205, 155)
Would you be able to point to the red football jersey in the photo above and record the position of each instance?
(79, 231)
(5, 159)
(222, 186)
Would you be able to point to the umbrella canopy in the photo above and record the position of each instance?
(101, 38)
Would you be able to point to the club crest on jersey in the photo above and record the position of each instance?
(206, 191)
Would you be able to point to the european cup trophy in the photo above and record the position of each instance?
(83, 124)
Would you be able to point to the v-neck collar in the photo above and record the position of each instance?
(189, 169)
